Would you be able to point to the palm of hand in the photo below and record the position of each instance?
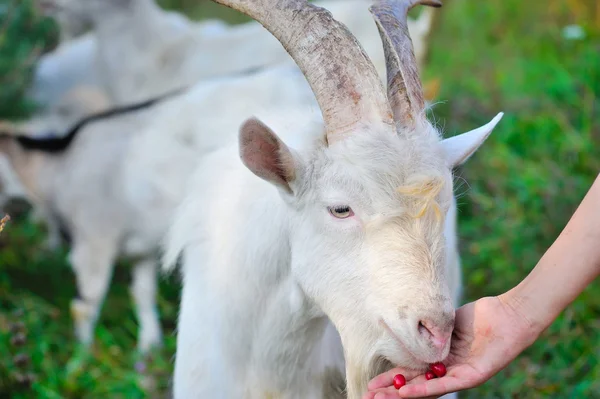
(487, 336)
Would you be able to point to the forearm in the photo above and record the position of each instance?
(567, 267)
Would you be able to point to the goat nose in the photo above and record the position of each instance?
(438, 335)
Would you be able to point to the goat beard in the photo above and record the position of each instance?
(358, 374)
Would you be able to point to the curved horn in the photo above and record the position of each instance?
(341, 75)
(405, 92)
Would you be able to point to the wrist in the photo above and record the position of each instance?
(532, 321)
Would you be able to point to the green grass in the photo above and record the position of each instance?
(521, 188)
(526, 181)
(24, 36)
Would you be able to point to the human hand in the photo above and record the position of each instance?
(488, 334)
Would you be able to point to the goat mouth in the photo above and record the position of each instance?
(416, 359)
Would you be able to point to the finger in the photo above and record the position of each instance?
(388, 393)
(420, 379)
(435, 387)
(368, 395)
(383, 380)
(386, 379)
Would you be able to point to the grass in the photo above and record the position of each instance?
(517, 193)
(24, 36)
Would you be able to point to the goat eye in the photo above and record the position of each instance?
(341, 212)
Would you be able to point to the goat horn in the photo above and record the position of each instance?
(405, 92)
(340, 73)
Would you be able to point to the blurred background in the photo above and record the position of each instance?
(538, 62)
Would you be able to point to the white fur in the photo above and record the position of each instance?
(53, 121)
(77, 61)
(111, 210)
(120, 180)
(266, 272)
(70, 65)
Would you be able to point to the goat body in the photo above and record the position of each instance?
(310, 268)
(110, 205)
(78, 60)
(115, 184)
(242, 311)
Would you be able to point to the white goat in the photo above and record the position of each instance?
(86, 183)
(113, 186)
(307, 271)
(77, 61)
(59, 117)
(142, 54)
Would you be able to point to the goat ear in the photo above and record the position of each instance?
(459, 148)
(266, 155)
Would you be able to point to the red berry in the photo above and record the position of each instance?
(439, 369)
(399, 381)
(429, 375)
